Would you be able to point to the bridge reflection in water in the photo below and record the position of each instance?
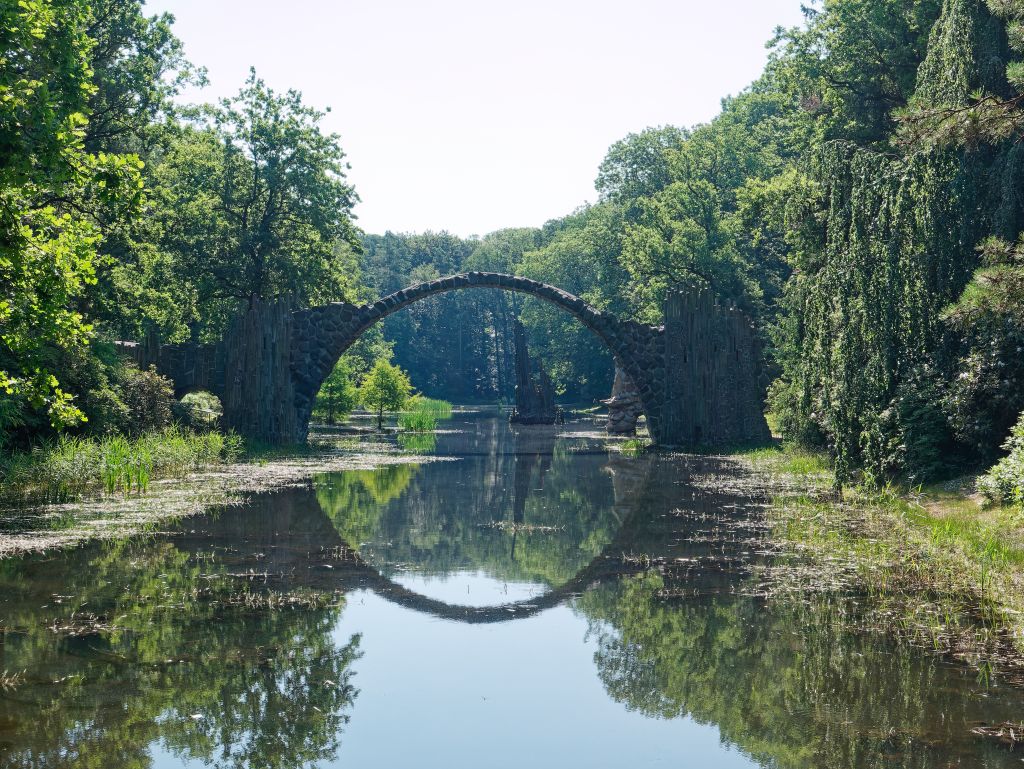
(560, 517)
(235, 641)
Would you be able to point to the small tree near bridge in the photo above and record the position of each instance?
(385, 388)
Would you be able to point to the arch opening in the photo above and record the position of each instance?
(321, 335)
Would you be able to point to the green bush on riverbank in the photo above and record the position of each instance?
(1004, 483)
(73, 466)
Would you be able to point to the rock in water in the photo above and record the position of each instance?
(624, 407)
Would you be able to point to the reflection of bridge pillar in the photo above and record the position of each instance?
(629, 482)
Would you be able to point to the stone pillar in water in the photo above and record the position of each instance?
(624, 407)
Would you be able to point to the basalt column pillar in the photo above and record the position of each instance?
(259, 395)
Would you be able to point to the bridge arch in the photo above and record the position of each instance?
(320, 335)
(609, 564)
(699, 376)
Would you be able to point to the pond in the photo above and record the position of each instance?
(532, 598)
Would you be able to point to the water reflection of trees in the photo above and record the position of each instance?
(790, 684)
(538, 517)
(174, 641)
(126, 646)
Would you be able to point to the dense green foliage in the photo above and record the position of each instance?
(1005, 482)
(871, 363)
(53, 191)
(123, 214)
(860, 200)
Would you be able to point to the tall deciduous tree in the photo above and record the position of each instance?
(257, 203)
(138, 67)
(51, 192)
(639, 165)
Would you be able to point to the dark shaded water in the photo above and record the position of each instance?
(539, 601)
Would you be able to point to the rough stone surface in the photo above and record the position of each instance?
(624, 407)
(696, 377)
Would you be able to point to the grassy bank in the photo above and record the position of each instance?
(940, 566)
(75, 467)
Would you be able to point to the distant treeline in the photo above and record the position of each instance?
(862, 200)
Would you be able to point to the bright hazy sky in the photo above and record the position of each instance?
(473, 115)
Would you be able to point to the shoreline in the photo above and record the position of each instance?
(57, 526)
(939, 569)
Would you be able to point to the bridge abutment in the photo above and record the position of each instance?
(259, 388)
(713, 394)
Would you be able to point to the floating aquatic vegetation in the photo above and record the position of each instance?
(527, 528)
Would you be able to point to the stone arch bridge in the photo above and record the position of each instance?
(698, 375)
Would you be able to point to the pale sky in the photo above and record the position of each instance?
(470, 115)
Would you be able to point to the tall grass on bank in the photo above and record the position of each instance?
(71, 467)
(423, 414)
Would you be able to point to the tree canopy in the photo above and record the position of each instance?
(860, 201)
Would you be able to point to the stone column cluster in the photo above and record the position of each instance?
(624, 407)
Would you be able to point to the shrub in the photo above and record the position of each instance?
(987, 390)
(911, 438)
(200, 411)
(148, 398)
(1004, 483)
(115, 396)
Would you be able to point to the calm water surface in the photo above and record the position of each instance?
(537, 600)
